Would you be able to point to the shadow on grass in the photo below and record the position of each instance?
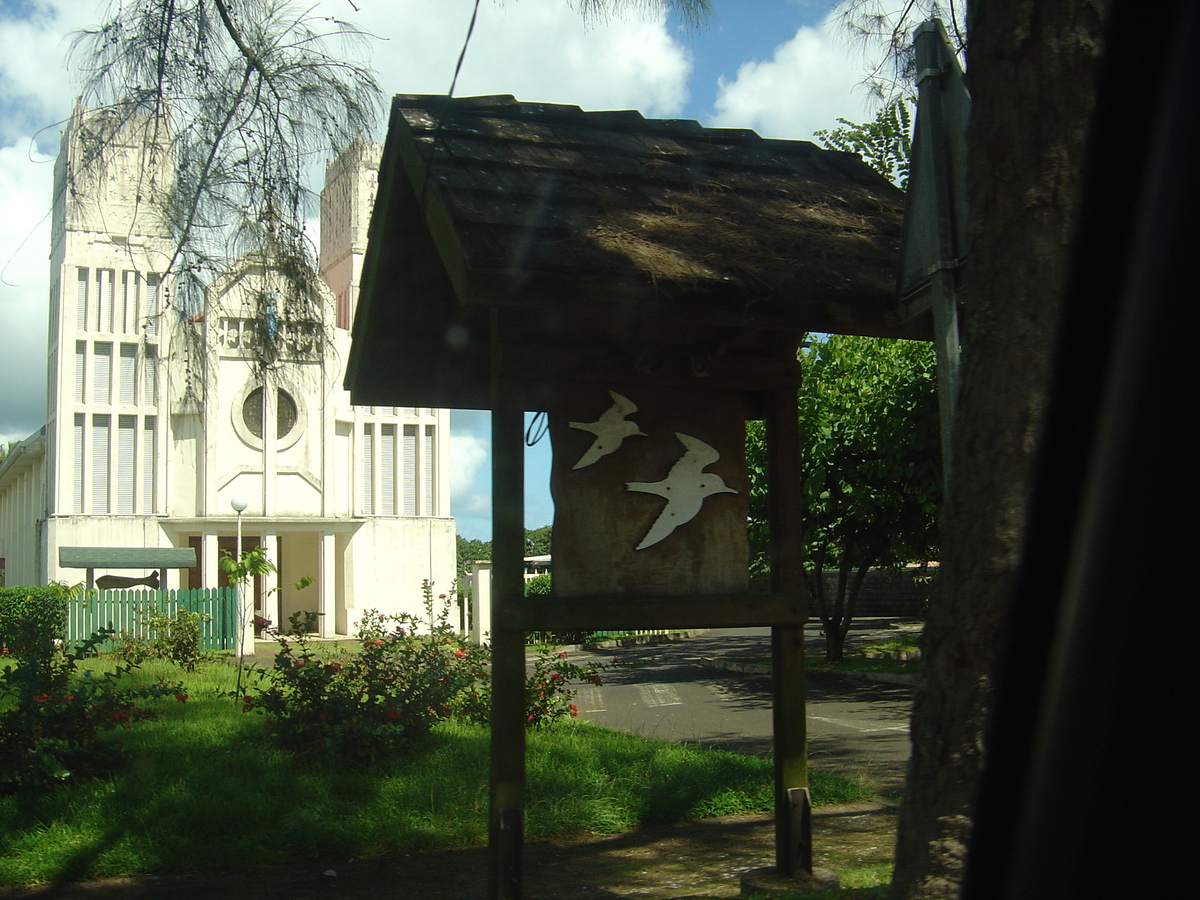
(200, 793)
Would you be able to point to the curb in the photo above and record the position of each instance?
(754, 668)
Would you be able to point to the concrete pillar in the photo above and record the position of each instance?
(272, 600)
(327, 583)
(209, 567)
(481, 601)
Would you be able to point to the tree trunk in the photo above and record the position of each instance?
(1032, 70)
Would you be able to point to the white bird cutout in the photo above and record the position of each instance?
(610, 430)
(685, 488)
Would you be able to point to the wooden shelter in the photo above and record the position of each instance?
(527, 256)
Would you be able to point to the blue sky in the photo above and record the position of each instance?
(777, 66)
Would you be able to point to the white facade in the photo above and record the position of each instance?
(154, 423)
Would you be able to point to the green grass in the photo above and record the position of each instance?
(201, 792)
(859, 664)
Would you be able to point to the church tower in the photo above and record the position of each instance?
(351, 182)
(108, 248)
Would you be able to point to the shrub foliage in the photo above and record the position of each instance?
(52, 713)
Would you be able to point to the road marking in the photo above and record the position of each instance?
(844, 724)
(589, 699)
(659, 695)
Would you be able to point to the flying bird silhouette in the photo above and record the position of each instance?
(685, 488)
(610, 430)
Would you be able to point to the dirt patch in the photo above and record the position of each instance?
(695, 859)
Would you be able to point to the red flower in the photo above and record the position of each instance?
(574, 709)
(392, 714)
(459, 654)
(299, 663)
(181, 697)
(529, 718)
(441, 596)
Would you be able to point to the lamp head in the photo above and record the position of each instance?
(239, 503)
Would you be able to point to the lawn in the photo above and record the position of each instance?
(200, 791)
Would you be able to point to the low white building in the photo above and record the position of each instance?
(156, 420)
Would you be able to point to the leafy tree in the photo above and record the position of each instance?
(537, 541)
(884, 32)
(870, 468)
(1033, 76)
(469, 550)
(230, 101)
(885, 143)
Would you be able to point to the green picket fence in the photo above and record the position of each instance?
(122, 610)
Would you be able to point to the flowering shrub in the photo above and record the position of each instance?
(385, 695)
(175, 636)
(548, 690)
(395, 686)
(52, 715)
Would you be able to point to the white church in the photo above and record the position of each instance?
(154, 424)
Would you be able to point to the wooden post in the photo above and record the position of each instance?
(507, 806)
(793, 846)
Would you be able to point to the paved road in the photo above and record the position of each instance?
(668, 694)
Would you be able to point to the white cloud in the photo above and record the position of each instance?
(809, 82)
(35, 87)
(468, 454)
(25, 179)
(537, 50)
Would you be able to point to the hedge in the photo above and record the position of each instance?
(30, 616)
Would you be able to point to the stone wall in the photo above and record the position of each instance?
(894, 592)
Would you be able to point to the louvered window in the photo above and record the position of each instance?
(427, 472)
(102, 365)
(409, 478)
(80, 369)
(104, 299)
(100, 455)
(77, 466)
(387, 470)
(81, 296)
(129, 292)
(368, 460)
(152, 285)
(126, 465)
(149, 455)
(150, 376)
(128, 374)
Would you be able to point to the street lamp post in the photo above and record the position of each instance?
(239, 504)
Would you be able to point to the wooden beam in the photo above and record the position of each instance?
(793, 844)
(621, 613)
(127, 557)
(507, 796)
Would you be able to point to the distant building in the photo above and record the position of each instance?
(155, 422)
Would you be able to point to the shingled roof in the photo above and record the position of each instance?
(596, 233)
